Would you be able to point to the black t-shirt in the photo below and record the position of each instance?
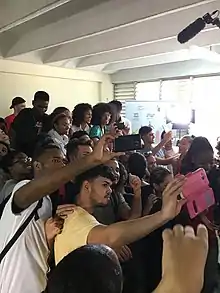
(146, 190)
(25, 129)
(66, 195)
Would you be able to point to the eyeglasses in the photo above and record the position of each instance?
(24, 160)
(148, 154)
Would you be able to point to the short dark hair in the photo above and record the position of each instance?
(2, 120)
(79, 112)
(78, 134)
(41, 149)
(137, 165)
(59, 110)
(3, 125)
(72, 146)
(98, 111)
(158, 175)
(117, 104)
(91, 174)
(162, 135)
(8, 160)
(97, 263)
(43, 139)
(148, 154)
(58, 117)
(145, 130)
(41, 96)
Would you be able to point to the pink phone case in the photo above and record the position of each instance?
(198, 193)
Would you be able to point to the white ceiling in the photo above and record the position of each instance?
(102, 35)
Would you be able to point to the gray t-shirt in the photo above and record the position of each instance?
(110, 213)
(7, 189)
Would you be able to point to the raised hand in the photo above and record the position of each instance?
(152, 199)
(168, 136)
(53, 227)
(135, 182)
(101, 154)
(184, 259)
(171, 206)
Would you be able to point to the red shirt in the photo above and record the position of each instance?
(9, 119)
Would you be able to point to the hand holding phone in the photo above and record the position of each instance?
(168, 136)
(127, 143)
(198, 193)
(120, 125)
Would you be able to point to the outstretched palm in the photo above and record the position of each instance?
(101, 153)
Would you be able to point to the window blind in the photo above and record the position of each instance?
(124, 92)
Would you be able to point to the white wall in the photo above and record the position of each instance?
(166, 71)
(66, 87)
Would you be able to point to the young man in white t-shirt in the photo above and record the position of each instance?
(24, 268)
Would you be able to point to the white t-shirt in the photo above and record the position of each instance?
(127, 124)
(79, 128)
(60, 140)
(24, 268)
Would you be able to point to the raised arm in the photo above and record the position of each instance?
(136, 206)
(160, 145)
(184, 259)
(120, 234)
(50, 182)
(168, 161)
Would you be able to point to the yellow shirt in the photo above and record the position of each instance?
(75, 233)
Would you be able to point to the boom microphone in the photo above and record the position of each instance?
(191, 30)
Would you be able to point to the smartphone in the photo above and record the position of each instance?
(198, 193)
(120, 125)
(127, 143)
(168, 127)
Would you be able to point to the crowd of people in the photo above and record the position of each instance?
(77, 217)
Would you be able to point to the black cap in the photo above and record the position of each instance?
(17, 101)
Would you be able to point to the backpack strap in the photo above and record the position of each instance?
(19, 231)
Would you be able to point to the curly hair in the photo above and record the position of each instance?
(48, 120)
(79, 113)
(98, 111)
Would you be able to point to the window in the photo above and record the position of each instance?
(124, 92)
(148, 91)
(179, 91)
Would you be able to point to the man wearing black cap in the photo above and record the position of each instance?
(17, 104)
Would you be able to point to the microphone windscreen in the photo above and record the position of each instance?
(191, 30)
